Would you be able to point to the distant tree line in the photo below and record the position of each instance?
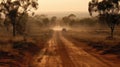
(73, 21)
(44, 21)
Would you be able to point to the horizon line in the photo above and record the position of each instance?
(60, 12)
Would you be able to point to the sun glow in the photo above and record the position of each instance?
(57, 28)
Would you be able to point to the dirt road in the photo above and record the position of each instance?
(61, 52)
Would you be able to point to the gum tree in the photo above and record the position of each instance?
(16, 9)
(53, 20)
(108, 12)
(69, 20)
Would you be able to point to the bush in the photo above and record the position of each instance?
(29, 47)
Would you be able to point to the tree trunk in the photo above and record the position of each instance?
(14, 28)
(112, 32)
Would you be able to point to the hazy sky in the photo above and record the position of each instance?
(62, 5)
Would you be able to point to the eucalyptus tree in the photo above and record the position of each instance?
(69, 20)
(53, 20)
(15, 10)
(108, 12)
(65, 20)
(46, 21)
(72, 18)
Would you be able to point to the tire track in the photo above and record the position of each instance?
(66, 60)
(79, 56)
(60, 52)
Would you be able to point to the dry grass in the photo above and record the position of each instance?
(16, 52)
(97, 44)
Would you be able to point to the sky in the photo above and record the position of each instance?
(62, 6)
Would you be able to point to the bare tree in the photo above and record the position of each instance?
(108, 12)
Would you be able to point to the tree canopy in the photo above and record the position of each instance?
(15, 10)
(108, 12)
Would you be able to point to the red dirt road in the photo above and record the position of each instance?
(61, 52)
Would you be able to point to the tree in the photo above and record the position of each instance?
(53, 20)
(108, 12)
(69, 20)
(21, 25)
(65, 20)
(15, 10)
(89, 22)
(45, 21)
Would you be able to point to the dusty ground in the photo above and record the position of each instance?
(19, 52)
(96, 44)
(60, 52)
